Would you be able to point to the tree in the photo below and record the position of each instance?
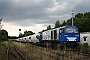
(27, 33)
(3, 35)
(20, 35)
(57, 24)
(30, 33)
(1, 19)
(43, 30)
(82, 21)
(12, 37)
(63, 24)
(49, 27)
(69, 22)
(87, 15)
(79, 15)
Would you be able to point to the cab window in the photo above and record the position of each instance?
(71, 30)
(61, 30)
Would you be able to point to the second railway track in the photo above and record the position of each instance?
(14, 54)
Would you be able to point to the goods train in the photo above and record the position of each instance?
(65, 35)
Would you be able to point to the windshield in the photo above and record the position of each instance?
(71, 30)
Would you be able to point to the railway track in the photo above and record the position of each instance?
(54, 55)
(14, 54)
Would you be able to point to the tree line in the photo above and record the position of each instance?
(81, 20)
(26, 33)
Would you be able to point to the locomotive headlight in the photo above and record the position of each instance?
(75, 40)
(67, 40)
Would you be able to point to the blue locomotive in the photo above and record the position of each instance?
(65, 35)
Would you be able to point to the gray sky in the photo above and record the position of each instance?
(36, 15)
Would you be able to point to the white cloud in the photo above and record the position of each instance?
(13, 30)
(36, 15)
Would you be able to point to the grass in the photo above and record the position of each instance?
(3, 47)
(38, 53)
(84, 47)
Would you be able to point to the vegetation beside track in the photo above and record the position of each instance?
(3, 48)
(34, 52)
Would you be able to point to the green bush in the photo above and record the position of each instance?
(85, 46)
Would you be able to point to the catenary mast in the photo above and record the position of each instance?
(72, 17)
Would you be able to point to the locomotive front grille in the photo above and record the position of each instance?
(71, 38)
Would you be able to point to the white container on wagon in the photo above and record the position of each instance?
(34, 38)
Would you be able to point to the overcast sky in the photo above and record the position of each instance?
(36, 15)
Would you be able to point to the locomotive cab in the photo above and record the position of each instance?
(69, 35)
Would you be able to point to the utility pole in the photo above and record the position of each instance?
(19, 31)
(72, 17)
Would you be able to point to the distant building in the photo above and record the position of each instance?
(85, 37)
